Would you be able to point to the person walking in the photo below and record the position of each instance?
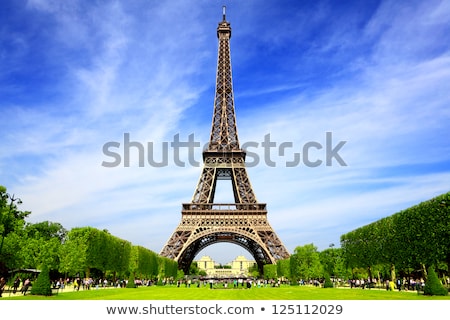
(26, 284)
(16, 284)
(2, 285)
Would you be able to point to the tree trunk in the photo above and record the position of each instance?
(369, 271)
(424, 270)
(392, 272)
(448, 269)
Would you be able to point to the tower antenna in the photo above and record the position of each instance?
(223, 13)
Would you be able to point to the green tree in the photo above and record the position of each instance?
(253, 271)
(42, 285)
(143, 262)
(413, 238)
(11, 219)
(270, 271)
(134, 261)
(73, 252)
(41, 244)
(170, 268)
(306, 262)
(118, 252)
(283, 268)
(327, 281)
(426, 229)
(11, 257)
(193, 269)
(131, 283)
(88, 248)
(153, 265)
(334, 263)
(47, 230)
(180, 274)
(433, 285)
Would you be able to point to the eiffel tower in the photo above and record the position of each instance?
(204, 222)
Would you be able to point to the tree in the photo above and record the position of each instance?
(131, 282)
(180, 274)
(73, 252)
(270, 271)
(134, 262)
(426, 229)
(327, 282)
(306, 263)
(433, 286)
(42, 285)
(283, 268)
(12, 221)
(10, 217)
(334, 263)
(11, 257)
(47, 230)
(143, 262)
(89, 248)
(253, 271)
(168, 268)
(413, 238)
(41, 244)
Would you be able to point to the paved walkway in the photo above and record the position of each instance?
(9, 291)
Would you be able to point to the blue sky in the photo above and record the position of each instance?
(75, 75)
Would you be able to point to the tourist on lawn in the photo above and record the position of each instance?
(2, 285)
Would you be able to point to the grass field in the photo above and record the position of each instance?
(204, 293)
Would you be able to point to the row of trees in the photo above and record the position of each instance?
(307, 263)
(410, 240)
(86, 249)
(79, 252)
(406, 244)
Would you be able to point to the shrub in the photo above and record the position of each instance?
(42, 285)
(434, 287)
(130, 283)
(327, 283)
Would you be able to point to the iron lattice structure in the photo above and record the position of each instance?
(204, 222)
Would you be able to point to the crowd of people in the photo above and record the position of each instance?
(400, 284)
(229, 283)
(26, 283)
(77, 283)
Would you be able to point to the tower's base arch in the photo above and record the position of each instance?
(203, 226)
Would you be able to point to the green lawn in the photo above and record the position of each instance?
(204, 293)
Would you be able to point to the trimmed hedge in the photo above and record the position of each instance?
(130, 283)
(42, 285)
(433, 286)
